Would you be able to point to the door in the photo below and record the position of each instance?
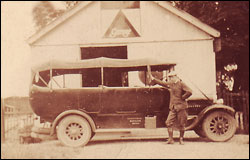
(124, 107)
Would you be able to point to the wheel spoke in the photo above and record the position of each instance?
(212, 124)
(74, 131)
(222, 131)
(212, 127)
(225, 130)
(213, 121)
(216, 118)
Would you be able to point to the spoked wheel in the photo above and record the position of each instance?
(219, 126)
(74, 131)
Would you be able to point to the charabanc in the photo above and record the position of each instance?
(81, 98)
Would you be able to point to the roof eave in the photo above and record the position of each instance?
(189, 18)
(196, 22)
(31, 40)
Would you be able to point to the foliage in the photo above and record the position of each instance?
(44, 13)
(231, 18)
(70, 4)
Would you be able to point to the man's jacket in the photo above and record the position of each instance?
(179, 92)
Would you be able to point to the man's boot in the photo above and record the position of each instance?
(170, 139)
(181, 137)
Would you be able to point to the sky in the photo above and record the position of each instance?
(16, 27)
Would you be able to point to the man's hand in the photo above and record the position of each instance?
(151, 77)
(151, 80)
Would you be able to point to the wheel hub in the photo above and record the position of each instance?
(219, 125)
(74, 131)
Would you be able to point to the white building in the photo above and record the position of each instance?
(133, 29)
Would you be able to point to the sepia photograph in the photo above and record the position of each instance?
(124, 79)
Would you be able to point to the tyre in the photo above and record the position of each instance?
(199, 131)
(219, 126)
(74, 131)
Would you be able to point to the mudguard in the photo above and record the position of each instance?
(208, 109)
(72, 112)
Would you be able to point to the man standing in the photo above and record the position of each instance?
(179, 92)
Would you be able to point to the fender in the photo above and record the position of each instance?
(69, 112)
(214, 107)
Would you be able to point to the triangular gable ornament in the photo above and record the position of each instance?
(121, 28)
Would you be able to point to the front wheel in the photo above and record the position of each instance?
(219, 126)
(74, 131)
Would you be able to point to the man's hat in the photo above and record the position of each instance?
(172, 73)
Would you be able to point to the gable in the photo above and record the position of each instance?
(189, 18)
(159, 23)
(81, 27)
(151, 22)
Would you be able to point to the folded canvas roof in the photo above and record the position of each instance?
(98, 63)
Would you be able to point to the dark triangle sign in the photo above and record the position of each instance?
(121, 28)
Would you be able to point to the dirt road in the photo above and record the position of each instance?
(194, 148)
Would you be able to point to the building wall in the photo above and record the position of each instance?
(195, 62)
(162, 35)
(88, 27)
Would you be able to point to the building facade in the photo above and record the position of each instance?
(132, 30)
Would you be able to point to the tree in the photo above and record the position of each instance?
(70, 4)
(44, 13)
(231, 18)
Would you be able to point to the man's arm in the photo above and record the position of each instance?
(187, 91)
(162, 83)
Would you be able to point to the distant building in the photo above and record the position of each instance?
(131, 30)
(16, 105)
(10, 109)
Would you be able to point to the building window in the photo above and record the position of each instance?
(120, 4)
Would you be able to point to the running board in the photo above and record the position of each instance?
(132, 130)
(141, 133)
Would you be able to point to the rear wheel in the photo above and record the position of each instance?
(74, 131)
(219, 126)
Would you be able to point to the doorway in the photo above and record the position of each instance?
(112, 77)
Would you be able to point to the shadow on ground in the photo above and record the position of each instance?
(91, 143)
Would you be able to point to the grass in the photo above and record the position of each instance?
(46, 150)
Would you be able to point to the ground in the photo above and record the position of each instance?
(194, 148)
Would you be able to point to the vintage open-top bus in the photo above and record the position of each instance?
(82, 97)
